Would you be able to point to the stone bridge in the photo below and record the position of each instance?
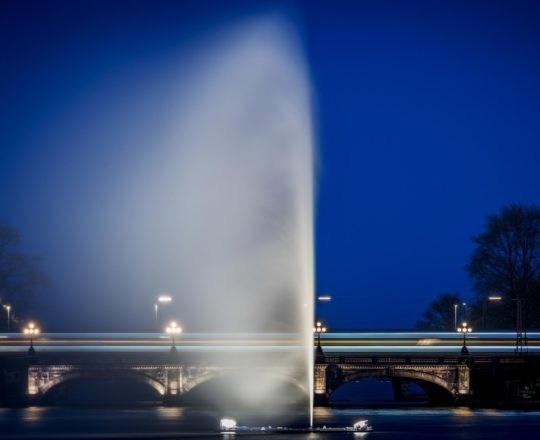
(171, 381)
(444, 383)
(167, 380)
(447, 380)
(33, 379)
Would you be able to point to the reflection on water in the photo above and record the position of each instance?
(34, 414)
(151, 422)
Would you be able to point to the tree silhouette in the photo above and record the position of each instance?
(506, 262)
(440, 314)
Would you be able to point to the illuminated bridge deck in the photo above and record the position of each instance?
(332, 343)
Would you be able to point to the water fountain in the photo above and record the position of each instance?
(245, 176)
(241, 161)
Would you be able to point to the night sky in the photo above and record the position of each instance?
(427, 119)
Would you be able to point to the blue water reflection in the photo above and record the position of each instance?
(152, 422)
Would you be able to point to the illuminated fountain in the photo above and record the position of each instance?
(240, 160)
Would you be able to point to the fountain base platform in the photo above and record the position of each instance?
(229, 426)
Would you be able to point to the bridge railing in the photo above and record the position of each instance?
(442, 360)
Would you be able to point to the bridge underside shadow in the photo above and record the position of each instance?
(108, 389)
(436, 395)
(388, 392)
(436, 385)
(172, 386)
(239, 391)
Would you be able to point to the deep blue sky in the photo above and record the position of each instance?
(427, 120)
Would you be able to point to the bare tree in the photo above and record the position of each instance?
(506, 262)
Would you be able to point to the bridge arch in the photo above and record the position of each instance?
(226, 387)
(438, 390)
(48, 388)
(192, 383)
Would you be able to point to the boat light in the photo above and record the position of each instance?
(227, 424)
(360, 425)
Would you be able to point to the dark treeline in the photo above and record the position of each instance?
(20, 278)
(504, 269)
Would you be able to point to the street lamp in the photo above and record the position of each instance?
(173, 329)
(492, 298)
(161, 299)
(464, 329)
(459, 313)
(318, 329)
(320, 309)
(32, 331)
(8, 311)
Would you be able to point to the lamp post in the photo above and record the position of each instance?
(464, 329)
(455, 314)
(161, 299)
(173, 329)
(32, 331)
(484, 308)
(320, 306)
(8, 312)
(318, 329)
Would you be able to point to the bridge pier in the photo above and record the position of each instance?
(463, 385)
(321, 397)
(175, 385)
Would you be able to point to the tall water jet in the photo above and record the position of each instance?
(240, 160)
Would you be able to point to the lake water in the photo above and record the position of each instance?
(162, 422)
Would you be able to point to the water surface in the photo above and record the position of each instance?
(161, 422)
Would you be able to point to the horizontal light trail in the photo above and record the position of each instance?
(150, 349)
(332, 343)
(269, 336)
